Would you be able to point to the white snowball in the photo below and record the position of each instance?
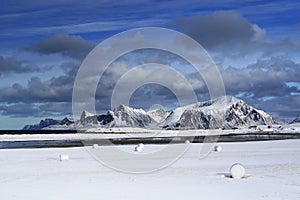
(237, 171)
(187, 141)
(218, 148)
(141, 145)
(138, 149)
(95, 146)
(63, 157)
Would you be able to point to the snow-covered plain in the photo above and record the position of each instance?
(127, 132)
(104, 133)
(272, 171)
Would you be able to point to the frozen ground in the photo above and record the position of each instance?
(273, 168)
(101, 133)
(117, 133)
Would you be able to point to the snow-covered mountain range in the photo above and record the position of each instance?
(221, 113)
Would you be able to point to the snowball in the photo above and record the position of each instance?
(138, 149)
(63, 157)
(237, 171)
(187, 141)
(218, 148)
(95, 146)
(141, 145)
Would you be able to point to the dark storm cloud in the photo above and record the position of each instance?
(11, 65)
(72, 46)
(219, 28)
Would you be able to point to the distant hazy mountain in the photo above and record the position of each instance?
(296, 120)
(224, 112)
(43, 123)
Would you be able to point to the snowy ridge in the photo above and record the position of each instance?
(85, 114)
(158, 115)
(222, 113)
(125, 116)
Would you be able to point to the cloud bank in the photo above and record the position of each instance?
(11, 65)
(268, 77)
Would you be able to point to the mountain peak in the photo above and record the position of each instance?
(121, 107)
(85, 114)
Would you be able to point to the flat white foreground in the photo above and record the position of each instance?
(272, 167)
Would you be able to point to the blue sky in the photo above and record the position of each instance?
(256, 44)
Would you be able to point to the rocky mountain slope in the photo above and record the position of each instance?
(225, 112)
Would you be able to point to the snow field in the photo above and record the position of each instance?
(273, 168)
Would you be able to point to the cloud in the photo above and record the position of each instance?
(281, 108)
(36, 110)
(220, 28)
(229, 37)
(11, 65)
(60, 109)
(57, 89)
(72, 46)
(19, 110)
(100, 26)
(264, 78)
(267, 77)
